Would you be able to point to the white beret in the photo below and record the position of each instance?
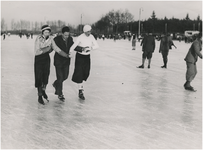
(87, 28)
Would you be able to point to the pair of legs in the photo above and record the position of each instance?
(190, 75)
(145, 55)
(165, 58)
(42, 71)
(62, 72)
(81, 72)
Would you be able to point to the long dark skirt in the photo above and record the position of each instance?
(42, 69)
(82, 68)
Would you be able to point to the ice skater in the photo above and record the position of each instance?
(165, 44)
(42, 62)
(82, 60)
(133, 41)
(191, 59)
(4, 36)
(61, 45)
(148, 47)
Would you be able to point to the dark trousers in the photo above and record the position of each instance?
(62, 73)
(165, 57)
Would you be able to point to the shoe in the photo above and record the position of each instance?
(54, 87)
(40, 100)
(62, 98)
(185, 85)
(141, 66)
(133, 49)
(81, 95)
(163, 66)
(190, 88)
(45, 95)
(148, 66)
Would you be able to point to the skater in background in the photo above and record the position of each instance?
(82, 60)
(4, 36)
(42, 62)
(165, 44)
(133, 41)
(148, 47)
(191, 59)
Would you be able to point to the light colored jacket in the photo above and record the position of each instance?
(194, 52)
(42, 45)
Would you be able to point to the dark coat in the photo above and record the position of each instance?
(148, 44)
(64, 46)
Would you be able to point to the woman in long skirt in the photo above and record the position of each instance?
(42, 62)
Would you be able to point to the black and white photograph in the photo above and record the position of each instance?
(101, 74)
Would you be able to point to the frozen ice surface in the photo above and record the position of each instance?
(125, 107)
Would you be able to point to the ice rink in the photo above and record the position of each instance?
(125, 107)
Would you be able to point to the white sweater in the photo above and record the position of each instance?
(85, 41)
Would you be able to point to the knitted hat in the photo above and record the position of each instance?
(87, 28)
(45, 27)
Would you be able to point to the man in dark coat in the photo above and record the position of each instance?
(61, 44)
(148, 47)
(165, 44)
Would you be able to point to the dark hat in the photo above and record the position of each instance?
(45, 27)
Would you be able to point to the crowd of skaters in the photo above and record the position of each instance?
(63, 46)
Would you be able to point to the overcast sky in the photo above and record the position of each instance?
(70, 11)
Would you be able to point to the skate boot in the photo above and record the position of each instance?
(163, 66)
(81, 95)
(61, 98)
(54, 85)
(190, 88)
(40, 100)
(148, 66)
(45, 95)
(142, 66)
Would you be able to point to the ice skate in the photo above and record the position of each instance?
(148, 66)
(142, 66)
(190, 88)
(45, 95)
(61, 98)
(81, 95)
(40, 100)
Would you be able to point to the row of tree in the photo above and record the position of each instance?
(119, 21)
(114, 22)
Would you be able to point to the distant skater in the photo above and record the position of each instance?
(165, 44)
(82, 60)
(42, 62)
(4, 36)
(148, 47)
(133, 41)
(191, 59)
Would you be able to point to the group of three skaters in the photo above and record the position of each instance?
(63, 46)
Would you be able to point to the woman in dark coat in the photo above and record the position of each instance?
(42, 62)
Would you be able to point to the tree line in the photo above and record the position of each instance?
(115, 21)
(120, 21)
